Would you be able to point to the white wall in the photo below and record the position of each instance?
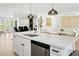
(66, 7)
(21, 10)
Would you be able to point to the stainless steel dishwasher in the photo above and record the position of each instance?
(39, 49)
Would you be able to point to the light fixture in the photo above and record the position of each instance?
(52, 11)
(30, 16)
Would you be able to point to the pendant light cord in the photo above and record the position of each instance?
(30, 6)
(30, 16)
(52, 11)
(53, 5)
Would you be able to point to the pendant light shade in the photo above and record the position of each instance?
(52, 12)
(30, 16)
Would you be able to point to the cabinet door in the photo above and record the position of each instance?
(22, 46)
(18, 47)
(27, 48)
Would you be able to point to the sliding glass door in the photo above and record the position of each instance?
(7, 24)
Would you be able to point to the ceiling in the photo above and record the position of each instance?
(23, 8)
(19, 9)
(13, 5)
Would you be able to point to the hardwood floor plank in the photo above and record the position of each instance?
(6, 45)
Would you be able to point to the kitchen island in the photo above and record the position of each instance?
(60, 45)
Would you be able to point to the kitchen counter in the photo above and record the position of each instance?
(60, 41)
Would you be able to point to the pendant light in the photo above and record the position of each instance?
(52, 11)
(30, 16)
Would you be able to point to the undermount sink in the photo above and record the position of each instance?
(31, 35)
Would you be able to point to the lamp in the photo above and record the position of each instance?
(30, 16)
(52, 11)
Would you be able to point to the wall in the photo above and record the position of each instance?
(41, 8)
(21, 10)
(63, 8)
(70, 21)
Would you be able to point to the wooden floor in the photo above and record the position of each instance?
(6, 47)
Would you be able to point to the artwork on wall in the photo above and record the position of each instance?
(48, 22)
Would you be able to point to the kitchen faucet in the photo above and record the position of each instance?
(34, 28)
(30, 29)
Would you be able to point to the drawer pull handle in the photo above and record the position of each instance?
(55, 51)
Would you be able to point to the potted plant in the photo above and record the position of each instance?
(40, 23)
(61, 29)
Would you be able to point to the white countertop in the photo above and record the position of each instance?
(53, 40)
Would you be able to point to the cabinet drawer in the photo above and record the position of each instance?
(18, 38)
(55, 51)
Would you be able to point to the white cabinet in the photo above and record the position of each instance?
(18, 47)
(56, 51)
(22, 46)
